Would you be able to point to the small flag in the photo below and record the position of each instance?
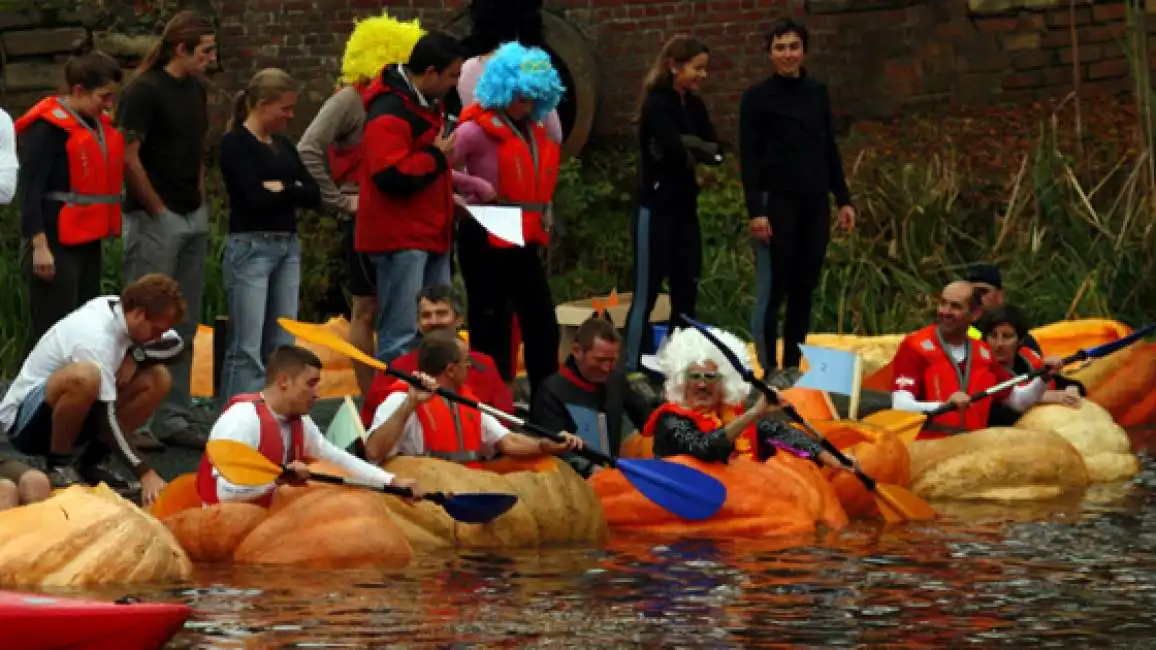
(503, 222)
(346, 427)
(830, 370)
(590, 426)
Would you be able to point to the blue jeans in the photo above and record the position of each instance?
(400, 278)
(262, 280)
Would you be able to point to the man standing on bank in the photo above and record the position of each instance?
(163, 113)
(790, 163)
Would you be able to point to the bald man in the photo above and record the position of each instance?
(942, 364)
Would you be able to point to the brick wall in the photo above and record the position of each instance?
(878, 56)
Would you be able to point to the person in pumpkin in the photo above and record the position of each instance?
(941, 364)
(437, 309)
(416, 422)
(591, 395)
(704, 415)
(502, 139)
(332, 149)
(988, 283)
(276, 422)
(71, 173)
(1004, 329)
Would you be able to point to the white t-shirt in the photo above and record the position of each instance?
(95, 332)
(9, 163)
(240, 423)
(412, 440)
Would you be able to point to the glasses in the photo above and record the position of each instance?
(708, 377)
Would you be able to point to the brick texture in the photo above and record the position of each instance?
(878, 57)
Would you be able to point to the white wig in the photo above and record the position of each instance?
(686, 347)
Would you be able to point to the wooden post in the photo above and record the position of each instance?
(856, 389)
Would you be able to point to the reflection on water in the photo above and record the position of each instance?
(1080, 573)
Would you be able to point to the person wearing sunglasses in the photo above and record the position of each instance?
(704, 415)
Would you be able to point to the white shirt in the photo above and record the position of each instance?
(9, 163)
(94, 333)
(412, 440)
(240, 423)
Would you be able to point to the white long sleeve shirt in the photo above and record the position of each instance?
(1020, 399)
(412, 440)
(241, 423)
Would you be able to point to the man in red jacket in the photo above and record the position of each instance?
(437, 309)
(406, 204)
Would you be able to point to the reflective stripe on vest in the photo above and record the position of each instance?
(72, 198)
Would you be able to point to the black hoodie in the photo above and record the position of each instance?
(787, 143)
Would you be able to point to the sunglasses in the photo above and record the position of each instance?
(703, 376)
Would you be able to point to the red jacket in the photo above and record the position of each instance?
(483, 380)
(407, 198)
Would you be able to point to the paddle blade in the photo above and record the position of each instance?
(240, 464)
(682, 490)
(900, 504)
(479, 508)
(904, 425)
(318, 334)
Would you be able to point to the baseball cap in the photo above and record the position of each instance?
(985, 273)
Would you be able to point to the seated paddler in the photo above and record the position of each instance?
(1005, 329)
(419, 422)
(276, 422)
(940, 364)
(704, 415)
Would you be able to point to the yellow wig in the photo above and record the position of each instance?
(375, 43)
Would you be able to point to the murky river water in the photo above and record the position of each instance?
(1071, 574)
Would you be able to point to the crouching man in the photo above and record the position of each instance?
(276, 423)
(84, 384)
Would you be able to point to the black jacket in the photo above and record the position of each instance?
(787, 142)
(665, 162)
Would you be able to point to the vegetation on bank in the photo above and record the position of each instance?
(1072, 233)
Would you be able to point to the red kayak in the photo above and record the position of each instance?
(40, 622)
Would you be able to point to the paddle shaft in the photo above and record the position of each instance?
(513, 420)
(436, 497)
(1079, 355)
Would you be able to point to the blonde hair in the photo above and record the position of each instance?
(265, 86)
(375, 43)
(680, 49)
(687, 347)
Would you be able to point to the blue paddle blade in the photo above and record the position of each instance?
(479, 508)
(684, 491)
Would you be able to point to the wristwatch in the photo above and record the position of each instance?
(138, 354)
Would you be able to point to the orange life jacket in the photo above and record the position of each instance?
(345, 162)
(449, 430)
(527, 171)
(1035, 362)
(271, 446)
(91, 207)
(942, 377)
(746, 445)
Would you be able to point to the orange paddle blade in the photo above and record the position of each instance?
(240, 464)
(904, 425)
(900, 504)
(179, 495)
(320, 335)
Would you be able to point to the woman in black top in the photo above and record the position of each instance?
(790, 164)
(1005, 329)
(266, 183)
(675, 134)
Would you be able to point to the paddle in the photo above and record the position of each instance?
(895, 503)
(907, 425)
(242, 465)
(682, 490)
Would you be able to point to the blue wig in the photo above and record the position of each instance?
(519, 72)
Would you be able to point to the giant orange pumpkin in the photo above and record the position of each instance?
(880, 455)
(762, 500)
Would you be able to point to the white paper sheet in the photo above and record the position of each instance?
(503, 222)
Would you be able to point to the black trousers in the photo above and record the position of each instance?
(667, 246)
(788, 270)
(77, 281)
(501, 282)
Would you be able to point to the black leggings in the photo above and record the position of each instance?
(667, 245)
(789, 268)
(77, 280)
(501, 282)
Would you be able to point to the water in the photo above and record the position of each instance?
(1078, 573)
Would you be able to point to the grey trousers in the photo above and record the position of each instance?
(176, 245)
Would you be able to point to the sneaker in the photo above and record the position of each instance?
(188, 437)
(144, 440)
(63, 476)
(102, 472)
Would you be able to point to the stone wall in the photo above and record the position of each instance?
(879, 56)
